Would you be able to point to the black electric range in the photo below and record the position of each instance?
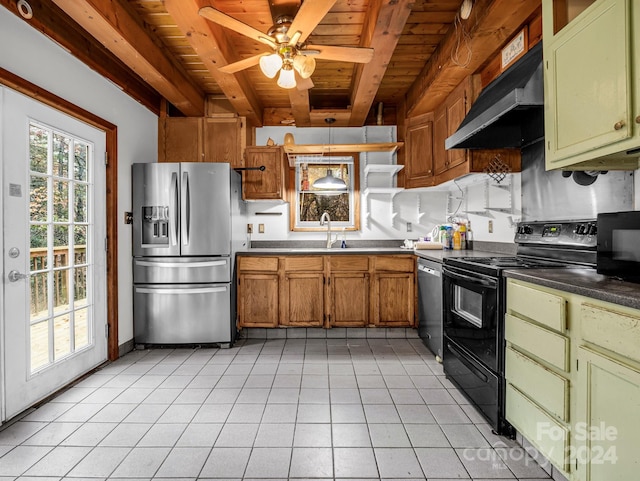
(474, 304)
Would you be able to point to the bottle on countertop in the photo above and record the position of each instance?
(456, 240)
(463, 236)
(444, 238)
(469, 236)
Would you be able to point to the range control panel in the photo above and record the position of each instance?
(576, 233)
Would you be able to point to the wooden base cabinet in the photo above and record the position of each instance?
(258, 292)
(348, 291)
(393, 291)
(326, 291)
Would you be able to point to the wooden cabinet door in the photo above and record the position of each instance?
(349, 299)
(303, 299)
(606, 443)
(587, 82)
(394, 299)
(180, 139)
(456, 112)
(267, 184)
(258, 299)
(440, 156)
(222, 140)
(419, 157)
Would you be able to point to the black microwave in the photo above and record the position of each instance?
(619, 245)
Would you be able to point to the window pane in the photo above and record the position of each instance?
(60, 201)
(39, 345)
(80, 240)
(38, 243)
(80, 203)
(38, 147)
(79, 287)
(81, 332)
(60, 156)
(61, 336)
(38, 199)
(60, 290)
(60, 236)
(39, 295)
(81, 154)
(313, 205)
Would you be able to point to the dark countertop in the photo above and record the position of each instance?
(275, 251)
(439, 255)
(582, 281)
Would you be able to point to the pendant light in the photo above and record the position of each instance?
(329, 182)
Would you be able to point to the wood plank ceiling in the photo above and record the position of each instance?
(177, 53)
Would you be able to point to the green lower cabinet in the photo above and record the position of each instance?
(606, 436)
(548, 435)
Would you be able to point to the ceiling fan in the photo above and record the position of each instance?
(290, 55)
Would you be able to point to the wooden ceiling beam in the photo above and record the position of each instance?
(300, 107)
(54, 23)
(491, 24)
(212, 46)
(115, 27)
(383, 26)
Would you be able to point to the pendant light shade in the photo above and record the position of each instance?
(270, 64)
(329, 182)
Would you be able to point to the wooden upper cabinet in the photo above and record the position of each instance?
(180, 139)
(440, 133)
(266, 184)
(419, 151)
(201, 139)
(224, 140)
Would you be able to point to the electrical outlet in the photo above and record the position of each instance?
(408, 226)
(249, 228)
(128, 217)
(261, 228)
(490, 227)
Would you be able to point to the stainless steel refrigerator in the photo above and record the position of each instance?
(188, 222)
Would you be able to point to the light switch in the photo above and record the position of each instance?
(490, 227)
(261, 228)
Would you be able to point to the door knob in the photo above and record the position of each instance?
(619, 125)
(15, 276)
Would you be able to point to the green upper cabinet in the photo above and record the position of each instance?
(592, 104)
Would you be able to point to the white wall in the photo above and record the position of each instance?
(387, 220)
(32, 56)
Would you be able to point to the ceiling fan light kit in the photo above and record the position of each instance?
(270, 64)
(287, 38)
(287, 78)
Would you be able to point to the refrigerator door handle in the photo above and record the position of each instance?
(202, 290)
(186, 208)
(180, 264)
(173, 214)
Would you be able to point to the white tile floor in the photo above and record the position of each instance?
(276, 409)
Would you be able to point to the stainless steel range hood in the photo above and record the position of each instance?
(508, 112)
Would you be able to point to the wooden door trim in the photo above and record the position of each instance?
(29, 89)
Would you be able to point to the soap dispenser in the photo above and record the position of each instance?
(343, 244)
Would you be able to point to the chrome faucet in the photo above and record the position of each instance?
(325, 216)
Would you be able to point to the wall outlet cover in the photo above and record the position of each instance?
(490, 227)
(249, 228)
(261, 228)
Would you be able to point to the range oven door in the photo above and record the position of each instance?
(471, 313)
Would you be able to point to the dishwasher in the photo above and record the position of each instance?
(430, 305)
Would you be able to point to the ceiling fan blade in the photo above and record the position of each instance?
(308, 17)
(303, 83)
(342, 54)
(242, 64)
(225, 20)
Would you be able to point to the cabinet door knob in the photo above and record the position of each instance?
(619, 125)
(638, 119)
